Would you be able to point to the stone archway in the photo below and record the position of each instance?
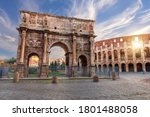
(83, 65)
(99, 69)
(110, 67)
(38, 32)
(122, 54)
(33, 68)
(109, 55)
(131, 67)
(68, 60)
(123, 67)
(130, 54)
(105, 69)
(116, 68)
(147, 52)
(139, 67)
(115, 55)
(147, 66)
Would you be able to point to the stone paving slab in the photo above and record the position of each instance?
(129, 86)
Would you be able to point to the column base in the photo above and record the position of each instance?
(21, 70)
(74, 71)
(92, 71)
(44, 71)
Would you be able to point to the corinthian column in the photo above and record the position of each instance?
(92, 50)
(45, 48)
(23, 35)
(74, 51)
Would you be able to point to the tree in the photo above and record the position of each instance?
(11, 60)
(63, 65)
(55, 63)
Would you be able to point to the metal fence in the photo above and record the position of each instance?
(7, 72)
(86, 72)
(107, 72)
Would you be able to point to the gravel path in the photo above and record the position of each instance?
(129, 86)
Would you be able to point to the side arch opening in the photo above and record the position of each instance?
(33, 65)
(82, 65)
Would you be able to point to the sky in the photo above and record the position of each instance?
(113, 18)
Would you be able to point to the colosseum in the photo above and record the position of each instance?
(124, 54)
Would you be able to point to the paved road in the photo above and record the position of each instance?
(129, 86)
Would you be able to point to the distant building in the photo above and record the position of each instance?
(59, 60)
(34, 61)
(125, 54)
(1, 62)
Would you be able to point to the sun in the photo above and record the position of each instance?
(136, 43)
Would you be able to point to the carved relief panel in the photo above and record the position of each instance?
(83, 44)
(34, 40)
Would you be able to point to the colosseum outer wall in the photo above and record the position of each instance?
(125, 54)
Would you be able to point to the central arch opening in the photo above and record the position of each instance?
(58, 59)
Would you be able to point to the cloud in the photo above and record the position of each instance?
(7, 27)
(8, 32)
(8, 43)
(5, 22)
(31, 5)
(3, 57)
(8, 35)
(57, 52)
(142, 30)
(7, 38)
(88, 9)
(10, 47)
(132, 20)
(144, 16)
(116, 25)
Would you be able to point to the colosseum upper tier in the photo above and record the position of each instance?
(125, 54)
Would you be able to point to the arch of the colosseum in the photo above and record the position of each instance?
(139, 67)
(40, 32)
(147, 65)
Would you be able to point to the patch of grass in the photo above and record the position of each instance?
(80, 78)
(56, 74)
(33, 75)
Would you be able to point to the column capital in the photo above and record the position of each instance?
(24, 32)
(74, 37)
(45, 35)
(91, 39)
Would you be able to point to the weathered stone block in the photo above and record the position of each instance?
(95, 79)
(54, 80)
(16, 77)
(113, 76)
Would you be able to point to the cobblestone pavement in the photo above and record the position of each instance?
(129, 86)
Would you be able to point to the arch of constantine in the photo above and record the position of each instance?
(39, 32)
